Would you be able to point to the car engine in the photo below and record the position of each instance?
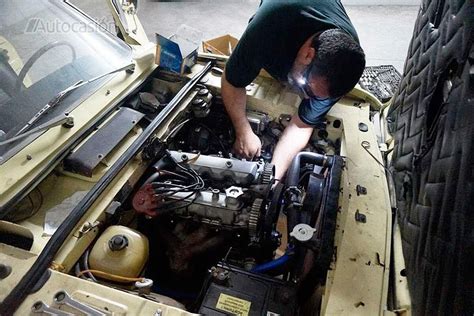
(199, 215)
(205, 205)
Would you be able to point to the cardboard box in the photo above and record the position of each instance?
(179, 52)
(225, 45)
(222, 45)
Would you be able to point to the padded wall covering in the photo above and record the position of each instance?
(432, 120)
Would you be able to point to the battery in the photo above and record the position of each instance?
(232, 291)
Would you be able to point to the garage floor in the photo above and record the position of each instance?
(384, 31)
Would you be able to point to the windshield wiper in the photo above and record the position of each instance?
(56, 100)
(66, 121)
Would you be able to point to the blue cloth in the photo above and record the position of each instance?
(312, 111)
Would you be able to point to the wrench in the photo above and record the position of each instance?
(41, 307)
(62, 298)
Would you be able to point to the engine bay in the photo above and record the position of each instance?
(199, 221)
(204, 211)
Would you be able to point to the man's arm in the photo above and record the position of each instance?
(292, 141)
(247, 144)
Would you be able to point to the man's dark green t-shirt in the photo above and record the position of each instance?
(277, 32)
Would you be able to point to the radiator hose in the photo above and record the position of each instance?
(293, 177)
(293, 174)
(275, 264)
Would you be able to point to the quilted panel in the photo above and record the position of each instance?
(432, 120)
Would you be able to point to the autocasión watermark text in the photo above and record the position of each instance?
(40, 25)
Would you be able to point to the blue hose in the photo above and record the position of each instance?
(271, 265)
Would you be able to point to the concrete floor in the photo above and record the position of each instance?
(384, 31)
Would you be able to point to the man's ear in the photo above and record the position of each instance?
(305, 55)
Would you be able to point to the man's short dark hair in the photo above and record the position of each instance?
(339, 59)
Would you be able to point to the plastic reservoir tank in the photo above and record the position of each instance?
(119, 251)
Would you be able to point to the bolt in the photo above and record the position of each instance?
(363, 127)
(37, 306)
(203, 92)
(198, 102)
(69, 122)
(60, 296)
(4, 271)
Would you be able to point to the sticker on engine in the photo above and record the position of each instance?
(233, 305)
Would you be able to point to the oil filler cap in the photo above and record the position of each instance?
(118, 242)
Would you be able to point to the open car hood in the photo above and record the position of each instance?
(127, 21)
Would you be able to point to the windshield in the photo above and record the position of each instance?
(45, 47)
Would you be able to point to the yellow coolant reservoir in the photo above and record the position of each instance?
(119, 253)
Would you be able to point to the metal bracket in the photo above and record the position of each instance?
(360, 217)
(43, 308)
(86, 228)
(62, 298)
(361, 190)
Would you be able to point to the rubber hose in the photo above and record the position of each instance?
(293, 174)
(272, 265)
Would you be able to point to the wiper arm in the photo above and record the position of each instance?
(67, 121)
(61, 95)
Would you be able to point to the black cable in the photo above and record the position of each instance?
(166, 190)
(224, 149)
(195, 175)
(169, 189)
(32, 206)
(167, 172)
(186, 206)
(41, 196)
(180, 199)
(178, 188)
(196, 178)
(164, 184)
(310, 173)
(34, 209)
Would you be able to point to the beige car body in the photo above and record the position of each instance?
(358, 281)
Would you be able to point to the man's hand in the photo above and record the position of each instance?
(247, 145)
(292, 141)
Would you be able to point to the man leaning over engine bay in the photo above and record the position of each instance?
(309, 44)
